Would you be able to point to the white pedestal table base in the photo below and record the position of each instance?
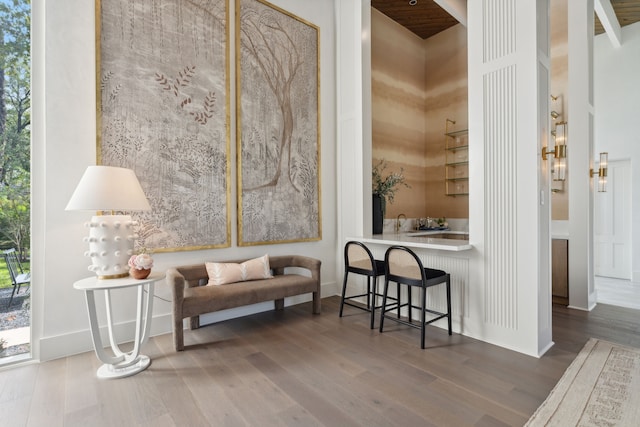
(113, 371)
(121, 364)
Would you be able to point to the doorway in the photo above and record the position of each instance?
(612, 224)
(612, 240)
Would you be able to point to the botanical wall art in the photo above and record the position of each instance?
(278, 125)
(163, 112)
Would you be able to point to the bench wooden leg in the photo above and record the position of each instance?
(317, 305)
(279, 304)
(178, 331)
(194, 322)
(178, 335)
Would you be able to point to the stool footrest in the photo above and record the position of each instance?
(361, 306)
(413, 323)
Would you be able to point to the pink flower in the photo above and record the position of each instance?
(141, 262)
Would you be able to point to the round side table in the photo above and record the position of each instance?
(121, 364)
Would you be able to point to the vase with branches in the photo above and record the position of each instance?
(386, 186)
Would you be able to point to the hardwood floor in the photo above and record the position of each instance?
(292, 368)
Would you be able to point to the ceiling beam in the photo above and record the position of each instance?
(607, 17)
(456, 8)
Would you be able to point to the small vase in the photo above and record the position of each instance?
(139, 274)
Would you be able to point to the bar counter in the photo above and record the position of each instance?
(419, 239)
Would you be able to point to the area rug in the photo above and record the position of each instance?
(601, 387)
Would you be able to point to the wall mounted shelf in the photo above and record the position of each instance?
(456, 162)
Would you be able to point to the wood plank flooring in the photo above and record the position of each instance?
(293, 368)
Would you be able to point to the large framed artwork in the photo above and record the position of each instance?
(278, 125)
(163, 111)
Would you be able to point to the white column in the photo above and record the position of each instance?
(510, 298)
(353, 91)
(579, 151)
(353, 152)
(367, 120)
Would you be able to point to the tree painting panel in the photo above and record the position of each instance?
(278, 126)
(163, 90)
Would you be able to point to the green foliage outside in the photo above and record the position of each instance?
(15, 123)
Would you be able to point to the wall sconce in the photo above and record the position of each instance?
(556, 111)
(559, 152)
(601, 172)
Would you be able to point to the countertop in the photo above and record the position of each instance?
(419, 239)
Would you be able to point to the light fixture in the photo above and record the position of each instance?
(559, 151)
(601, 172)
(556, 111)
(111, 237)
(413, 2)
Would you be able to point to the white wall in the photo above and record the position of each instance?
(64, 144)
(617, 119)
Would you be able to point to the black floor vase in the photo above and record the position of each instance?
(378, 213)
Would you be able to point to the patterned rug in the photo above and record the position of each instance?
(601, 387)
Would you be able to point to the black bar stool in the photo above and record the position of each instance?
(403, 266)
(359, 260)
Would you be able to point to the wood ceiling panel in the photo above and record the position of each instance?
(426, 18)
(628, 12)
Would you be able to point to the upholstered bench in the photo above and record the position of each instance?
(193, 295)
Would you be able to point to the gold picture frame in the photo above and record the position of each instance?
(163, 110)
(278, 125)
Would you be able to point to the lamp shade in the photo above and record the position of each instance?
(111, 188)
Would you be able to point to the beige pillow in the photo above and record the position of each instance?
(222, 273)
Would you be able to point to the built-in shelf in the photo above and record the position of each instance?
(456, 162)
(461, 147)
(462, 132)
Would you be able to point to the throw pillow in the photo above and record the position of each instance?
(222, 273)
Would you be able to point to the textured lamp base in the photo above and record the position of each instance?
(110, 241)
(108, 371)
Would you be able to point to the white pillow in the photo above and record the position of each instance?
(222, 273)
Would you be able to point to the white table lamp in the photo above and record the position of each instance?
(111, 237)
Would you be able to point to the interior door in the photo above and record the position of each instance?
(613, 223)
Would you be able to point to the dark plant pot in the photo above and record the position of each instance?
(378, 213)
